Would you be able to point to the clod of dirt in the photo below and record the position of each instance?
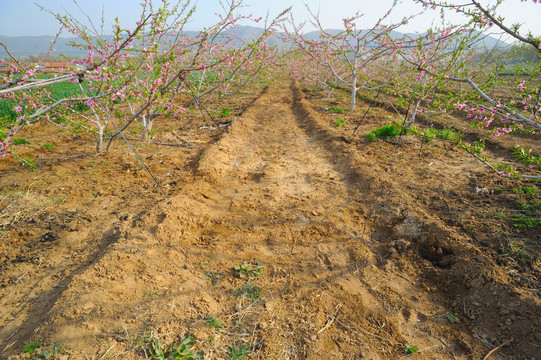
(48, 237)
(400, 245)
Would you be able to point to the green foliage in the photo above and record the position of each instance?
(411, 349)
(528, 190)
(238, 352)
(249, 269)
(212, 322)
(526, 157)
(177, 350)
(40, 352)
(213, 276)
(20, 141)
(516, 249)
(385, 132)
(532, 214)
(31, 347)
(226, 112)
(249, 290)
(48, 146)
(335, 109)
(476, 147)
(28, 161)
(371, 137)
(7, 113)
(452, 318)
(431, 133)
(340, 122)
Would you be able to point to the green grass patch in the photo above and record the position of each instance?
(20, 141)
(249, 290)
(48, 146)
(225, 112)
(340, 122)
(385, 132)
(7, 113)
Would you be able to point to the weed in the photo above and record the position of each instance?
(452, 318)
(212, 322)
(249, 290)
(29, 161)
(31, 348)
(526, 157)
(430, 134)
(386, 131)
(39, 351)
(411, 349)
(48, 146)
(522, 221)
(249, 269)
(516, 249)
(213, 276)
(527, 190)
(335, 109)
(235, 352)
(177, 350)
(340, 122)
(151, 293)
(531, 208)
(20, 141)
(226, 112)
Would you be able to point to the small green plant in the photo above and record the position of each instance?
(250, 269)
(386, 131)
(452, 318)
(340, 122)
(249, 290)
(213, 276)
(39, 351)
(48, 146)
(29, 161)
(31, 347)
(177, 350)
(335, 109)
(20, 141)
(430, 134)
(371, 137)
(238, 352)
(226, 112)
(526, 157)
(212, 322)
(531, 216)
(516, 249)
(478, 147)
(527, 190)
(411, 349)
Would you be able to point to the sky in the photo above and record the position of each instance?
(24, 17)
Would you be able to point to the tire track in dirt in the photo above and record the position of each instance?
(279, 190)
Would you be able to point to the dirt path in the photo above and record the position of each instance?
(326, 239)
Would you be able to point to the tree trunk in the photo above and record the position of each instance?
(414, 112)
(99, 140)
(353, 93)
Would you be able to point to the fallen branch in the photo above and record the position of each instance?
(172, 144)
(497, 348)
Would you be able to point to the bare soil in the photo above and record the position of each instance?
(351, 249)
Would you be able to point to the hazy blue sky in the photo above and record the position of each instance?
(23, 17)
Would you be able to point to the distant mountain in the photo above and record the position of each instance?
(484, 42)
(24, 46)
